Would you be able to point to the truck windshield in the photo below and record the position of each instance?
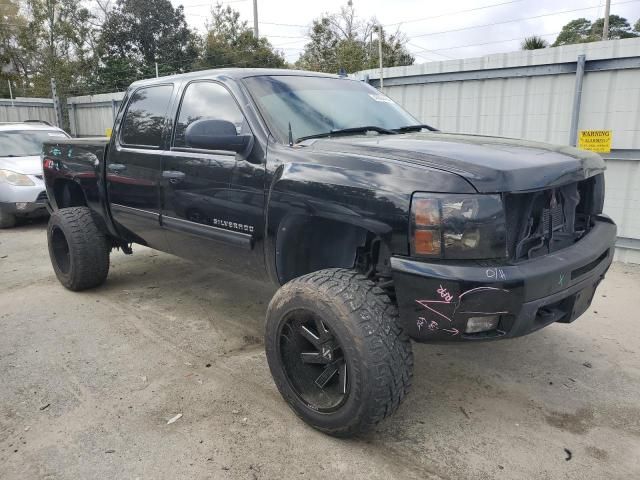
(320, 105)
(25, 143)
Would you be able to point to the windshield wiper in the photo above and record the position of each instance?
(414, 128)
(347, 131)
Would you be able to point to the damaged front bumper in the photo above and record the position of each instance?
(449, 301)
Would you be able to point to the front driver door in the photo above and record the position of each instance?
(198, 204)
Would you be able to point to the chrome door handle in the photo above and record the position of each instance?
(174, 176)
(116, 167)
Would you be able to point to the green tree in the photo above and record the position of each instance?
(576, 31)
(321, 53)
(12, 56)
(47, 39)
(136, 35)
(636, 27)
(534, 43)
(229, 42)
(582, 30)
(342, 40)
(618, 28)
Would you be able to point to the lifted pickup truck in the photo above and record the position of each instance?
(378, 229)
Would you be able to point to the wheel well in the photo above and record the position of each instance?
(309, 244)
(68, 194)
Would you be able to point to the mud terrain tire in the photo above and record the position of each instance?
(360, 325)
(79, 251)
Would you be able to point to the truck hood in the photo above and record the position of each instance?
(490, 164)
(25, 165)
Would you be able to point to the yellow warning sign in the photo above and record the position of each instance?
(107, 132)
(595, 140)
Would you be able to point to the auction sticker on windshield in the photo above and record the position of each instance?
(380, 98)
(595, 140)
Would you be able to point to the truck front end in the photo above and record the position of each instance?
(490, 266)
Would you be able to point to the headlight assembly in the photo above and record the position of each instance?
(17, 179)
(457, 226)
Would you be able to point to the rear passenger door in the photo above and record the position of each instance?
(133, 166)
(198, 204)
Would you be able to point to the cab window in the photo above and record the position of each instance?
(207, 100)
(145, 117)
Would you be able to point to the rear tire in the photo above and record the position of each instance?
(78, 250)
(7, 220)
(338, 329)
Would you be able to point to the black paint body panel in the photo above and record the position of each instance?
(234, 210)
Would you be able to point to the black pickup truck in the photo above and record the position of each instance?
(378, 229)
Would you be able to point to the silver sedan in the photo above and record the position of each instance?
(22, 191)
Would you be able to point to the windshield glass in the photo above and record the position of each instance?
(25, 143)
(316, 105)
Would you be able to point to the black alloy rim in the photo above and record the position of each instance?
(60, 248)
(313, 361)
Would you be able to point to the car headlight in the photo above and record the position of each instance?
(17, 179)
(457, 226)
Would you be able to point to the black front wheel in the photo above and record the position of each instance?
(336, 352)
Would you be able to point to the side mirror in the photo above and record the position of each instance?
(212, 134)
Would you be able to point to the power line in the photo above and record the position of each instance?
(289, 36)
(278, 45)
(211, 3)
(285, 24)
(453, 13)
(489, 43)
(422, 49)
(516, 20)
(502, 41)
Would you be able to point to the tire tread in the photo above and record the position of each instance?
(388, 346)
(88, 246)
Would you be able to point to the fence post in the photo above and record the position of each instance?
(10, 93)
(114, 109)
(56, 103)
(73, 120)
(577, 98)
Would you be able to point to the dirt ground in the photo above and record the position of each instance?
(89, 381)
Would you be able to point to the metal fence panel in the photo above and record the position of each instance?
(92, 115)
(21, 109)
(525, 94)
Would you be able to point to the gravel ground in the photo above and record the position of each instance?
(89, 381)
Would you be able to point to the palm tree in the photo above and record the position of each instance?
(534, 43)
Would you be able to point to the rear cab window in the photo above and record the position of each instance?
(145, 117)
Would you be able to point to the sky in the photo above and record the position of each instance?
(437, 30)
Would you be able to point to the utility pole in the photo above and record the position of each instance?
(57, 110)
(255, 19)
(380, 37)
(157, 70)
(605, 28)
(10, 92)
